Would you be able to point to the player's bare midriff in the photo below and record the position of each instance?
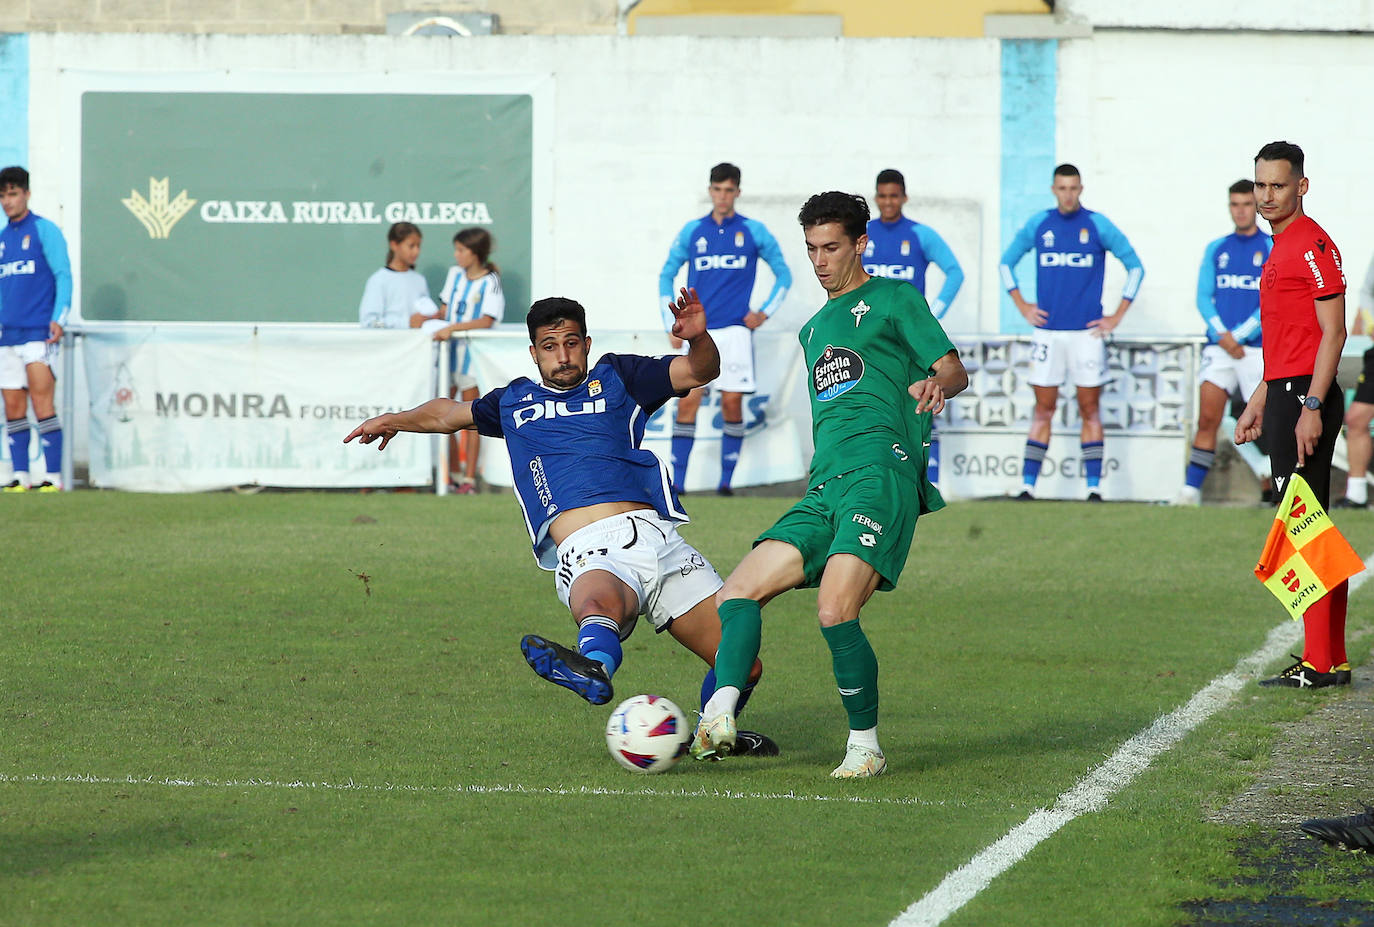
(576, 519)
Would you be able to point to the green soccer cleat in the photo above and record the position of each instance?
(14, 486)
(714, 739)
(860, 763)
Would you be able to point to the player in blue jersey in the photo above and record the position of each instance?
(1071, 245)
(902, 249)
(600, 509)
(722, 251)
(1228, 300)
(35, 296)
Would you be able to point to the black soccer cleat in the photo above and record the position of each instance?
(752, 743)
(567, 668)
(1094, 496)
(1342, 671)
(1303, 676)
(1026, 496)
(1348, 504)
(1354, 831)
(724, 491)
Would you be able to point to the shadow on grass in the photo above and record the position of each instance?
(1283, 864)
(41, 853)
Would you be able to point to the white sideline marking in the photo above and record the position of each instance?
(349, 785)
(1102, 782)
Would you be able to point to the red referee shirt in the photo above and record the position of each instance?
(1303, 266)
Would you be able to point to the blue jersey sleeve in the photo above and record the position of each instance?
(486, 413)
(646, 379)
(677, 256)
(1115, 242)
(772, 256)
(1023, 242)
(1207, 290)
(55, 253)
(935, 248)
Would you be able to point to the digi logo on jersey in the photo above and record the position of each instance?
(836, 372)
(1065, 259)
(720, 262)
(891, 271)
(1237, 282)
(551, 409)
(17, 268)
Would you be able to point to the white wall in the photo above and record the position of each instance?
(1160, 123)
(637, 125)
(1285, 15)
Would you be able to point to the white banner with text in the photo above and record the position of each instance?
(189, 408)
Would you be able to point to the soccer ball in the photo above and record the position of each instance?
(647, 734)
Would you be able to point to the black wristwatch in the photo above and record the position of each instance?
(1312, 402)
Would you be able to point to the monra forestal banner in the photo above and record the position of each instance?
(1304, 556)
(274, 207)
(188, 408)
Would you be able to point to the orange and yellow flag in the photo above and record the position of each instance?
(1304, 556)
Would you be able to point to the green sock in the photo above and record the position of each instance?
(741, 632)
(856, 673)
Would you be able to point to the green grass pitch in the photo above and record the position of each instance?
(312, 709)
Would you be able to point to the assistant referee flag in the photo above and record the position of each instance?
(1304, 556)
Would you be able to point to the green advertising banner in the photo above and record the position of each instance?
(274, 207)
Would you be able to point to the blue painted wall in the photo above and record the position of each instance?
(1028, 156)
(14, 99)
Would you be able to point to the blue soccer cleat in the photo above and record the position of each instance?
(567, 668)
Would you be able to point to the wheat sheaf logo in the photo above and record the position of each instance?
(157, 213)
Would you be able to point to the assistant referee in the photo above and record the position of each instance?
(1299, 405)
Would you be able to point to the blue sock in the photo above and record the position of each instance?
(708, 689)
(731, 440)
(1199, 462)
(684, 435)
(18, 431)
(598, 638)
(1030, 467)
(1092, 462)
(933, 461)
(50, 436)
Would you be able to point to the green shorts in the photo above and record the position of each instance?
(870, 512)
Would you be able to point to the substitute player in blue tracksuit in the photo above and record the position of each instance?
(902, 249)
(722, 251)
(1071, 245)
(35, 297)
(1228, 300)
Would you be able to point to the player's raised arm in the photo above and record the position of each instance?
(438, 416)
(701, 364)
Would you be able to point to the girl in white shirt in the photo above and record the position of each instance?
(397, 296)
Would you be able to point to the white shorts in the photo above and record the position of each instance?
(463, 382)
(736, 346)
(15, 358)
(1058, 357)
(1232, 373)
(646, 553)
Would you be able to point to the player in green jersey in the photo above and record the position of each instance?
(871, 349)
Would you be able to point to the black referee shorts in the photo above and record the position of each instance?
(1282, 407)
(1364, 390)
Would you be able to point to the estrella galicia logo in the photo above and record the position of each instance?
(836, 372)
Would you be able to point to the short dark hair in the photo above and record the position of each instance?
(555, 309)
(725, 171)
(891, 175)
(1283, 151)
(848, 209)
(14, 176)
(1066, 170)
(1242, 186)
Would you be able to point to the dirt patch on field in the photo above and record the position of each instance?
(1322, 766)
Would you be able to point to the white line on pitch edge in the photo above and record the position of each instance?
(348, 785)
(1092, 791)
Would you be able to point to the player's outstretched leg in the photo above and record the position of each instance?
(568, 668)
